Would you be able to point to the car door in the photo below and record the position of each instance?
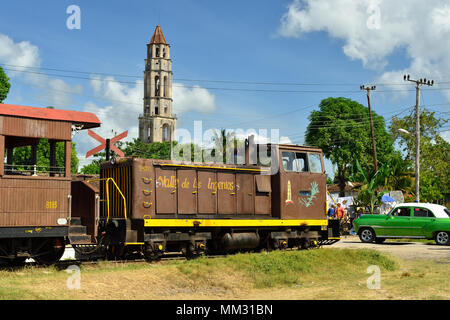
(420, 218)
(396, 223)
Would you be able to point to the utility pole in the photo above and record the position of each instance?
(418, 83)
(374, 149)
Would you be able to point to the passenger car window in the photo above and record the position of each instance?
(315, 163)
(402, 212)
(421, 212)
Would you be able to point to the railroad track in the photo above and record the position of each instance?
(63, 264)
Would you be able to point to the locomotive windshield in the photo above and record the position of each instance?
(301, 162)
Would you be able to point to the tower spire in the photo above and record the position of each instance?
(158, 36)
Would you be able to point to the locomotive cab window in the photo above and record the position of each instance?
(295, 161)
(315, 163)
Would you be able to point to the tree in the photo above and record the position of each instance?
(135, 148)
(373, 184)
(341, 129)
(22, 156)
(4, 85)
(434, 154)
(92, 168)
(401, 175)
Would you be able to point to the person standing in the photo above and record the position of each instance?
(340, 211)
(331, 211)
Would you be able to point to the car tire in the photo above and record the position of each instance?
(442, 237)
(379, 240)
(367, 235)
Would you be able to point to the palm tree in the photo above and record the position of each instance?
(373, 183)
(223, 141)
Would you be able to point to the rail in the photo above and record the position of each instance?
(107, 195)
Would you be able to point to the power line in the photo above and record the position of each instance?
(217, 88)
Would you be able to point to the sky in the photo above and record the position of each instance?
(250, 65)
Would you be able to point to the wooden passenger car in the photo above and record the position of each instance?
(35, 201)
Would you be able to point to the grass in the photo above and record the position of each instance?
(279, 268)
(307, 274)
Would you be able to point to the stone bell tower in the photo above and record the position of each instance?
(157, 123)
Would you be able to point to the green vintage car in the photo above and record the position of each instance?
(406, 220)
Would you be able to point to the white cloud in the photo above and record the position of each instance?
(121, 110)
(194, 99)
(21, 59)
(374, 29)
(18, 54)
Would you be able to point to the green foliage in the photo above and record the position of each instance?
(135, 148)
(434, 153)
(370, 191)
(224, 141)
(22, 156)
(4, 85)
(91, 168)
(401, 175)
(341, 129)
(139, 149)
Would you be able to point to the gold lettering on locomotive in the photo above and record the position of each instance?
(220, 185)
(185, 184)
(167, 182)
(195, 185)
(51, 204)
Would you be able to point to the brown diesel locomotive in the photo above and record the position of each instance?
(150, 207)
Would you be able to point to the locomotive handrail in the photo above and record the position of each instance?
(107, 195)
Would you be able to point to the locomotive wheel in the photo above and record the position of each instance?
(150, 255)
(49, 251)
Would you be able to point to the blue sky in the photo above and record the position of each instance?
(331, 46)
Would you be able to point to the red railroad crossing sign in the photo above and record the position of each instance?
(103, 143)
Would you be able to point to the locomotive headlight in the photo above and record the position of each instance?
(62, 221)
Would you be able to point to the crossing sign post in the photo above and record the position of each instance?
(107, 144)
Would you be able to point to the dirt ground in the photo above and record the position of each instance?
(402, 249)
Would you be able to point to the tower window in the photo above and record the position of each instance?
(157, 52)
(164, 53)
(166, 87)
(165, 132)
(156, 110)
(157, 85)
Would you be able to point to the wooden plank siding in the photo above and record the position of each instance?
(33, 201)
(35, 128)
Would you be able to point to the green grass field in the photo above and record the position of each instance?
(307, 274)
